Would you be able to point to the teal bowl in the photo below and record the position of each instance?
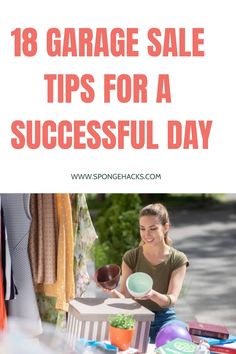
(139, 284)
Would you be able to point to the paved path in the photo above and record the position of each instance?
(208, 237)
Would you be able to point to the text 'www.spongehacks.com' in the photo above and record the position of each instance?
(116, 176)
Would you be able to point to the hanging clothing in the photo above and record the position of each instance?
(10, 290)
(43, 238)
(17, 221)
(64, 287)
(3, 316)
(85, 235)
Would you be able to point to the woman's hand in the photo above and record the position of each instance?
(148, 296)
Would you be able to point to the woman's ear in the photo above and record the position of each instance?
(166, 227)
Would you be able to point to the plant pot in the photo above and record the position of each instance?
(121, 337)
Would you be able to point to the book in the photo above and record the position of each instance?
(229, 348)
(208, 330)
(213, 341)
(177, 346)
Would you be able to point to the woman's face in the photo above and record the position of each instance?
(151, 231)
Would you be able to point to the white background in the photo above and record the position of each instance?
(202, 89)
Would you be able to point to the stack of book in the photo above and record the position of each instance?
(217, 336)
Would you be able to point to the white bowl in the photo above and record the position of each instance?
(139, 284)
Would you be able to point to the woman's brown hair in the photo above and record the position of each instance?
(161, 212)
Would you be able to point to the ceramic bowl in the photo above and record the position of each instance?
(139, 284)
(108, 276)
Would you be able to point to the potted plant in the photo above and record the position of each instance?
(121, 330)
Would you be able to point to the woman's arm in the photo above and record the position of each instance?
(126, 271)
(176, 283)
(174, 288)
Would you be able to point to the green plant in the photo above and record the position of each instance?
(123, 321)
(117, 227)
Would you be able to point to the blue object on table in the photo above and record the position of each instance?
(215, 341)
(81, 344)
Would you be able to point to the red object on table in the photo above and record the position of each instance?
(208, 330)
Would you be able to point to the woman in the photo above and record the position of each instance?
(156, 257)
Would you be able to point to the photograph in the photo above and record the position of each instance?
(159, 267)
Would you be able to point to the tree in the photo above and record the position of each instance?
(117, 228)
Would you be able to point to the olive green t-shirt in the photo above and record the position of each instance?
(160, 273)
